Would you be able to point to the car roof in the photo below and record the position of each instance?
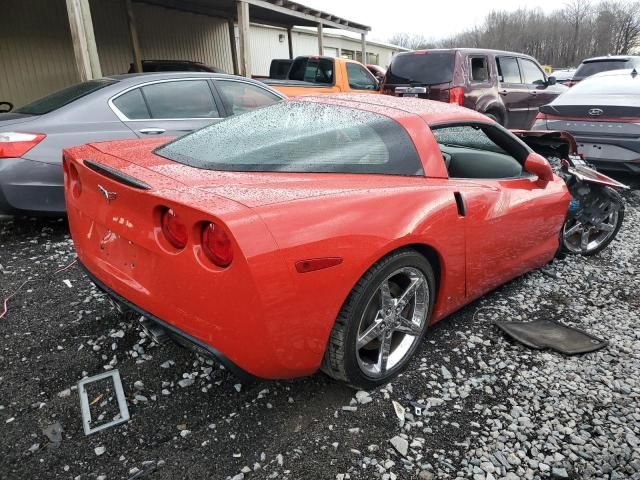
(433, 112)
(136, 78)
(610, 57)
(470, 50)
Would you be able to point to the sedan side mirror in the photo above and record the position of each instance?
(552, 80)
(539, 166)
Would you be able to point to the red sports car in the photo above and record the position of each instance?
(322, 232)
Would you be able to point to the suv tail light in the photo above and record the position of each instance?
(456, 96)
(174, 230)
(16, 144)
(217, 245)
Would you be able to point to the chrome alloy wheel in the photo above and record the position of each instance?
(392, 321)
(584, 237)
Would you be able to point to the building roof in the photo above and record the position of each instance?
(283, 13)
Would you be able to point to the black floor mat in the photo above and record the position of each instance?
(541, 334)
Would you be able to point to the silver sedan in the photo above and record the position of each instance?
(602, 112)
(120, 107)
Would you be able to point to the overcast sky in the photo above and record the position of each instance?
(431, 18)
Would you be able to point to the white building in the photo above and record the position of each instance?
(269, 42)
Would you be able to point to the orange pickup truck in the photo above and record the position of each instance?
(317, 75)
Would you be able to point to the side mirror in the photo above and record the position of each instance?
(552, 80)
(539, 166)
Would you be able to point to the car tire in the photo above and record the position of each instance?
(359, 365)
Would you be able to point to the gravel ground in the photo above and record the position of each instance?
(489, 408)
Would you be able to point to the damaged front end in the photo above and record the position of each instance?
(596, 210)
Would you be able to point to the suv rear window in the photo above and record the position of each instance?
(64, 97)
(300, 137)
(314, 70)
(428, 68)
(586, 69)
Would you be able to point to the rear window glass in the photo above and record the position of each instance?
(314, 70)
(64, 97)
(300, 137)
(623, 84)
(591, 68)
(428, 68)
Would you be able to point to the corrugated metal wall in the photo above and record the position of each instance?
(163, 34)
(36, 55)
(265, 45)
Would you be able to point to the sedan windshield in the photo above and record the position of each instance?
(64, 97)
(300, 137)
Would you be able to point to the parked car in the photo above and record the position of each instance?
(322, 75)
(565, 76)
(591, 66)
(285, 228)
(149, 66)
(508, 87)
(602, 112)
(119, 107)
(377, 71)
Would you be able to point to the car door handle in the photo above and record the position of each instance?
(534, 93)
(503, 92)
(152, 131)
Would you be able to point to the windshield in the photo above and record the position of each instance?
(591, 68)
(300, 137)
(64, 97)
(425, 68)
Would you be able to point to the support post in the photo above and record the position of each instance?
(363, 38)
(320, 40)
(234, 46)
(133, 35)
(243, 28)
(84, 40)
(290, 41)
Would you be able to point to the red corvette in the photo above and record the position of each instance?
(322, 232)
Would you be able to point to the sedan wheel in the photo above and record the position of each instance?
(382, 321)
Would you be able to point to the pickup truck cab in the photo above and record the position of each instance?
(312, 75)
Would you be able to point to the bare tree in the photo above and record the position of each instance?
(580, 29)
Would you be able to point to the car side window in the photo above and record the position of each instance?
(240, 97)
(508, 70)
(479, 151)
(132, 105)
(181, 99)
(360, 78)
(479, 69)
(533, 75)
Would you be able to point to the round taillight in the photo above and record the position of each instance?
(174, 230)
(74, 179)
(217, 245)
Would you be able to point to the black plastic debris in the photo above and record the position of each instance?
(541, 334)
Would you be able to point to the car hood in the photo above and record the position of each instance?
(252, 189)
